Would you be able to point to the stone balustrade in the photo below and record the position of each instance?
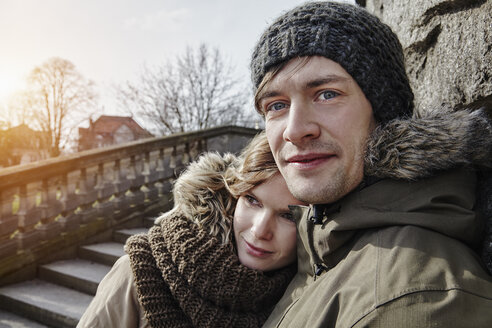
(60, 202)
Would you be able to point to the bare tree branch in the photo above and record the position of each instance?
(58, 99)
(196, 90)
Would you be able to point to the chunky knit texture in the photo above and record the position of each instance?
(187, 278)
(365, 47)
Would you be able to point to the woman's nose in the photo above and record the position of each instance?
(262, 227)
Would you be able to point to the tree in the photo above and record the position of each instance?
(16, 109)
(5, 145)
(195, 91)
(58, 98)
(9, 115)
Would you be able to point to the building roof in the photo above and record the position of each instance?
(107, 124)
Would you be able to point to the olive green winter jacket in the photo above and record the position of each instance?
(397, 254)
(392, 254)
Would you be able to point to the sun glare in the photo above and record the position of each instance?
(8, 86)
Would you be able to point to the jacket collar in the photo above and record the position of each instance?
(388, 203)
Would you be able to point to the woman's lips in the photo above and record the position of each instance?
(256, 251)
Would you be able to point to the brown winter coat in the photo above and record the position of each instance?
(399, 252)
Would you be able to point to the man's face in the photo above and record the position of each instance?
(317, 121)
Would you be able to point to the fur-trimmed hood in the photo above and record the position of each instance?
(201, 196)
(416, 148)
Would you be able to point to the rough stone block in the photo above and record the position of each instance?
(448, 48)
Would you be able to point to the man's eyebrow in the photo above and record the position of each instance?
(267, 94)
(325, 80)
(310, 84)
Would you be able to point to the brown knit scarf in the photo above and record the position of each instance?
(187, 278)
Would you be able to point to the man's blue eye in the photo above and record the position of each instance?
(328, 94)
(276, 106)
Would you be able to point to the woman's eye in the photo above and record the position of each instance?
(288, 216)
(328, 94)
(251, 200)
(276, 106)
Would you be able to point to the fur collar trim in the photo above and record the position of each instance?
(416, 148)
(200, 195)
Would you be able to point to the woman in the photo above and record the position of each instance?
(222, 257)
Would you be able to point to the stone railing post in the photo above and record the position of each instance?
(104, 190)
(119, 188)
(8, 225)
(85, 209)
(68, 203)
(49, 226)
(27, 235)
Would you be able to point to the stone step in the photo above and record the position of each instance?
(64, 288)
(10, 320)
(78, 274)
(122, 235)
(41, 301)
(104, 253)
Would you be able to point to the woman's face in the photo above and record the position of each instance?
(263, 226)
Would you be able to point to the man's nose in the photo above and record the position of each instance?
(301, 123)
(262, 226)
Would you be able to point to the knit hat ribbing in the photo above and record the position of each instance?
(365, 47)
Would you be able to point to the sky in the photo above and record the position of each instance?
(109, 41)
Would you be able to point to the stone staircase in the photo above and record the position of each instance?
(62, 290)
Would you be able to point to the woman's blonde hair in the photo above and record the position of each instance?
(255, 165)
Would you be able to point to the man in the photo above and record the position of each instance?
(391, 237)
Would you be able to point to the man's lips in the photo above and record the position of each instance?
(309, 160)
(256, 251)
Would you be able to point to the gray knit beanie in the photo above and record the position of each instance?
(365, 47)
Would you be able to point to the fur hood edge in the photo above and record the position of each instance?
(416, 148)
(200, 194)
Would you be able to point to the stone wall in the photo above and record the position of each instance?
(447, 45)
